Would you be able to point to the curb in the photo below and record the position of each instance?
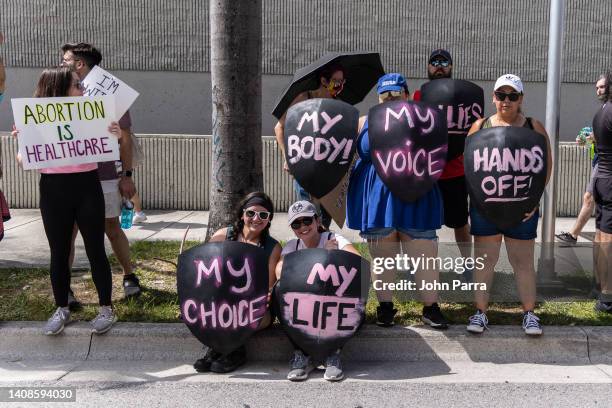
(174, 342)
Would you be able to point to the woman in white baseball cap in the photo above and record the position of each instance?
(306, 225)
(520, 240)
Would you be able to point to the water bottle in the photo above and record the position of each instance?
(127, 213)
(582, 135)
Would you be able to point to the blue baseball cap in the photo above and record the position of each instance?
(391, 82)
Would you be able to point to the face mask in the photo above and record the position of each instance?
(334, 88)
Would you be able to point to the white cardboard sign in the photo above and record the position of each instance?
(101, 83)
(65, 131)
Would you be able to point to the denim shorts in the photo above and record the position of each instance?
(480, 226)
(377, 233)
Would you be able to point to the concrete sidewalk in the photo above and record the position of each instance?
(173, 342)
(25, 243)
(79, 355)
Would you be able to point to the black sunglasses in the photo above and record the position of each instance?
(501, 96)
(297, 224)
(263, 215)
(440, 63)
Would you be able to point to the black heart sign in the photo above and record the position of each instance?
(321, 298)
(505, 172)
(319, 143)
(408, 146)
(222, 289)
(462, 102)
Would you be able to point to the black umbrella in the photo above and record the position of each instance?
(362, 70)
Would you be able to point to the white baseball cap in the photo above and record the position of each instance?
(509, 80)
(301, 209)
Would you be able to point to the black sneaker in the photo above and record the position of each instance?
(73, 303)
(131, 286)
(432, 315)
(385, 314)
(566, 237)
(203, 364)
(605, 307)
(229, 362)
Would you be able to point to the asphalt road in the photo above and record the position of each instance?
(391, 384)
(321, 394)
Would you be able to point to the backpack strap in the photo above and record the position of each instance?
(483, 122)
(230, 234)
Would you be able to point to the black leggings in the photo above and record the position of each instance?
(64, 199)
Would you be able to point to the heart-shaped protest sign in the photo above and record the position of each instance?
(505, 172)
(462, 102)
(321, 298)
(222, 289)
(319, 143)
(408, 146)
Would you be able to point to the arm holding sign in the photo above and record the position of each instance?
(273, 261)
(219, 235)
(279, 129)
(362, 121)
(538, 127)
(126, 184)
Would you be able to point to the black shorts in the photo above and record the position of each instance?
(602, 193)
(455, 199)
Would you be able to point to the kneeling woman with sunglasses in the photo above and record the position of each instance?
(252, 220)
(520, 240)
(306, 225)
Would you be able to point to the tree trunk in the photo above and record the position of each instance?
(235, 39)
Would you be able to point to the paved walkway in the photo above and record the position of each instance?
(25, 243)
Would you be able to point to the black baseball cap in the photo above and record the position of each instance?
(441, 53)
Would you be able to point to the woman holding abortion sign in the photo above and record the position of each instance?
(68, 195)
(403, 207)
(331, 83)
(251, 225)
(307, 227)
(507, 165)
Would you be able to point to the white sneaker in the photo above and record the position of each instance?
(139, 216)
(333, 367)
(531, 324)
(104, 320)
(57, 321)
(478, 322)
(301, 365)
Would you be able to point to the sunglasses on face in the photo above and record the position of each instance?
(440, 63)
(512, 96)
(297, 224)
(390, 94)
(263, 215)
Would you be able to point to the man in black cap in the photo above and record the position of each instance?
(452, 181)
(440, 65)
